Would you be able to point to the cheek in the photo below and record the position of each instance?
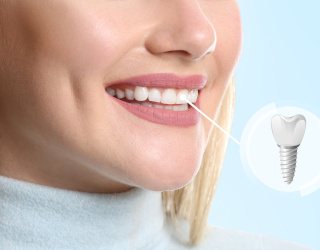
(211, 98)
(89, 50)
(81, 39)
(229, 38)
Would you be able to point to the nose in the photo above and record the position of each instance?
(182, 29)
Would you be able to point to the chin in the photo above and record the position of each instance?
(169, 173)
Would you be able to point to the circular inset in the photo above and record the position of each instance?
(260, 153)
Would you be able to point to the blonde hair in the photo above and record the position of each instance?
(193, 201)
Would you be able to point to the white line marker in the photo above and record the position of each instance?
(212, 121)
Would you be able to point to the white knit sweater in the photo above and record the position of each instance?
(34, 216)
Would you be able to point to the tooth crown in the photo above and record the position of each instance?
(165, 96)
(288, 131)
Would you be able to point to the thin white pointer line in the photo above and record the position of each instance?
(212, 121)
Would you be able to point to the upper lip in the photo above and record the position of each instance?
(165, 80)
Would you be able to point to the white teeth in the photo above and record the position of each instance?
(193, 95)
(182, 93)
(120, 93)
(141, 93)
(111, 91)
(154, 95)
(129, 94)
(166, 96)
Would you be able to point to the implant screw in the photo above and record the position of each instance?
(288, 162)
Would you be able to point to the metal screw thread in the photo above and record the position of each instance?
(288, 162)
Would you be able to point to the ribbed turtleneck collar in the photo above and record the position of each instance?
(37, 216)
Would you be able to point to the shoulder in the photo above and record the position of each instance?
(223, 239)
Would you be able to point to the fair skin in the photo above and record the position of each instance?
(56, 127)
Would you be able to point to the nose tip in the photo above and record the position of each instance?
(204, 50)
(185, 29)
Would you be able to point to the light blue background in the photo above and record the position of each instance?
(280, 62)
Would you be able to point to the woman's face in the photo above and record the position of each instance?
(60, 127)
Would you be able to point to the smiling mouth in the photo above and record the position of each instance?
(159, 98)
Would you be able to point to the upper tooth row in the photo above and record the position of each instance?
(166, 96)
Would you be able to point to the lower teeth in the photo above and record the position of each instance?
(181, 107)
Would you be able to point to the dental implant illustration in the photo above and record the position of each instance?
(288, 133)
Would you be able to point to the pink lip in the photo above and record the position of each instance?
(186, 118)
(165, 80)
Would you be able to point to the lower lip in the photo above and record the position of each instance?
(186, 118)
